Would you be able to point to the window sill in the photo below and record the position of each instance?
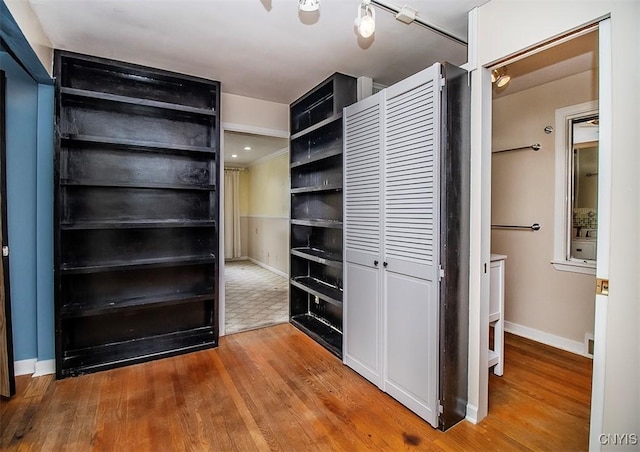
(575, 266)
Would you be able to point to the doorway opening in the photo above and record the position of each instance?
(256, 230)
(531, 168)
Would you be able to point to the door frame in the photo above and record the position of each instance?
(8, 339)
(483, 171)
(241, 128)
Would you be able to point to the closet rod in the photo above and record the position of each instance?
(535, 147)
(533, 227)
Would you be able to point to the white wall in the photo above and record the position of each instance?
(268, 213)
(255, 114)
(527, 23)
(537, 296)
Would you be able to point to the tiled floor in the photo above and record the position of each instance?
(254, 297)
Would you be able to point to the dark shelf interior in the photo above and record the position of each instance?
(116, 354)
(318, 288)
(103, 165)
(88, 203)
(325, 334)
(318, 223)
(315, 205)
(88, 73)
(89, 141)
(322, 143)
(319, 256)
(106, 97)
(316, 171)
(136, 236)
(94, 293)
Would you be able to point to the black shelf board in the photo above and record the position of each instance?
(327, 336)
(318, 125)
(137, 145)
(334, 224)
(98, 183)
(76, 310)
(317, 157)
(319, 256)
(317, 188)
(107, 97)
(318, 288)
(118, 354)
(138, 263)
(84, 225)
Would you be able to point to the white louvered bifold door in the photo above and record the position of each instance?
(411, 212)
(363, 134)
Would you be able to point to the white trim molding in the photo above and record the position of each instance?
(24, 366)
(45, 367)
(549, 339)
(34, 367)
(268, 267)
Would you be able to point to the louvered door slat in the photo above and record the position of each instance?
(411, 241)
(410, 175)
(362, 184)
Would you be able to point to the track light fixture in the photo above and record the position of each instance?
(366, 20)
(309, 5)
(500, 77)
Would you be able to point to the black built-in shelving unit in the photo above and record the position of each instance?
(136, 213)
(316, 210)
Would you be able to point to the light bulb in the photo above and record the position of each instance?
(309, 5)
(503, 80)
(367, 26)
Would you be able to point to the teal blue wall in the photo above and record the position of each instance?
(21, 123)
(29, 125)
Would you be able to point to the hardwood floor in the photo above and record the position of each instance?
(275, 389)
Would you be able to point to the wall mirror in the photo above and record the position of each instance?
(584, 188)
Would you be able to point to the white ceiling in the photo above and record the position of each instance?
(267, 49)
(264, 49)
(563, 60)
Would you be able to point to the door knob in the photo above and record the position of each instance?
(375, 263)
(384, 264)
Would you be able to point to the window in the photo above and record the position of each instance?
(575, 233)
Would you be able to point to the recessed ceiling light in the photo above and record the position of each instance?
(247, 148)
(234, 156)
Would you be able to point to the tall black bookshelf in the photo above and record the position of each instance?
(136, 213)
(316, 210)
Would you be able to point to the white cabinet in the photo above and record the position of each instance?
(583, 249)
(496, 312)
(392, 244)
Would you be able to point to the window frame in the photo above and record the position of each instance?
(563, 183)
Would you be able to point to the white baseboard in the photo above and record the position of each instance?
(546, 338)
(34, 367)
(267, 267)
(45, 367)
(24, 366)
(472, 414)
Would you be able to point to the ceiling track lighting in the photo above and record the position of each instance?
(366, 20)
(309, 5)
(500, 77)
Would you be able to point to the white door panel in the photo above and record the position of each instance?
(362, 337)
(411, 354)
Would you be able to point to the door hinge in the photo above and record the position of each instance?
(443, 81)
(602, 287)
(440, 408)
(5, 251)
(440, 272)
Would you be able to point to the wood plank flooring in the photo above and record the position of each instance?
(275, 389)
